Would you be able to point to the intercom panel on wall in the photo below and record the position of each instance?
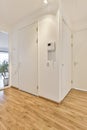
(51, 50)
(48, 65)
(51, 46)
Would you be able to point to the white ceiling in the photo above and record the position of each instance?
(11, 11)
(76, 10)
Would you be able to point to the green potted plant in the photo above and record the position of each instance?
(4, 72)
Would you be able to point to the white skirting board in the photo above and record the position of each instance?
(80, 89)
(5, 87)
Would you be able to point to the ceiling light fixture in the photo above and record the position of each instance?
(45, 2)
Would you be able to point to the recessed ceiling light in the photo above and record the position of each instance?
(45, 2)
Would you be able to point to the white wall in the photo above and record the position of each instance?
(3, 41)
(4, 28)
(50, 29)
(76, 12)
(48, 74)
(79, 60)
(60, 73)
(14, 58)
(26, 21)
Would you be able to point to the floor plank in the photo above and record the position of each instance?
(22, 111)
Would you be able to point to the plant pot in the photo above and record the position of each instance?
(6, 81)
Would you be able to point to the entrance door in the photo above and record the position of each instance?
(28, 59)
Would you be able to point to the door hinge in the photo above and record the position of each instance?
(71, 81)
(72, 45)
(37, 29)
(37, 87)
(37, 41)
(71, 36)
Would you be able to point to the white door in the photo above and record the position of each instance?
(80, 60)
(28, 59)
(66, 60)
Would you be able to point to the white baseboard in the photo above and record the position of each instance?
(80, 89)
(62, 98)
(5, 87)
